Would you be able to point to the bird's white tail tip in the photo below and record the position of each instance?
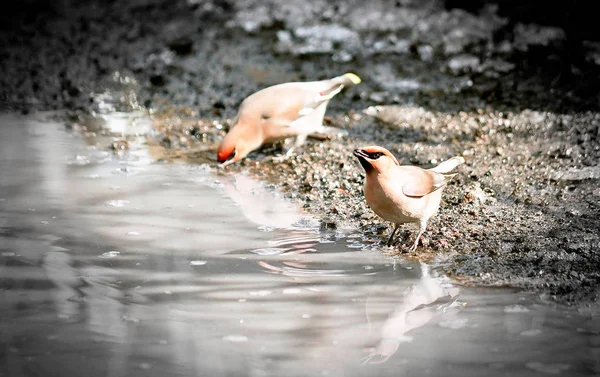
(352, 77)
(449, 165)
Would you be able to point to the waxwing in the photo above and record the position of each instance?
(294, 109)
(401, 193)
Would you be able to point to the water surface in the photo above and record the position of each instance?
(117, 265)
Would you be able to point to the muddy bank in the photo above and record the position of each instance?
(518, 98)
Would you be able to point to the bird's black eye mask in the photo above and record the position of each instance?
(361, 153)
(374, 155)
(363, 157)
(370, 155)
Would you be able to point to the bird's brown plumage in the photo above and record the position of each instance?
(279, 112)
(400, 193)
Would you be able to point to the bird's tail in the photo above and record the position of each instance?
(335, 85)
(347, 79)
(447, 166)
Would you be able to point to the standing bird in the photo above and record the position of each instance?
(403, 194)
(279, 112)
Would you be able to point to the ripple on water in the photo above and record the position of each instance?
(268, 251)
(300, 271)
(79, 160)
(235, 338)
(110, 254)
(262, 293)
(532, 332)
(455, 323)
(198, 262)
(128, 170)
(117, 203)
(515, 309)
(95, 157)
(547, 368)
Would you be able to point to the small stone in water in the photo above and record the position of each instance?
(198, 262)
(356, 245)
(266, 228)
(325, 240)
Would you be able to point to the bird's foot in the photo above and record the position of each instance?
(391, 239)
(424, 242)
(280, 158)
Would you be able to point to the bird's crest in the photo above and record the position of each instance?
(377, 149)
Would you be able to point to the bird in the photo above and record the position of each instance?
(278, 112)
(403, 193)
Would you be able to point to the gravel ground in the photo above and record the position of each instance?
(517, 97)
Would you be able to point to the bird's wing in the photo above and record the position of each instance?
(418, 182)
(285, 124)
(293, 104)
(314, 100)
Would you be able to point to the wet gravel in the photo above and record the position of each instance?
(519, 100)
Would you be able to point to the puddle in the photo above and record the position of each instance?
(125, 267)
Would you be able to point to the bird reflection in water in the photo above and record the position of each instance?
(260, 205)
(421, 303)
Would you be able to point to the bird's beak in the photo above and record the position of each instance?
(363, 158)
(360, 154)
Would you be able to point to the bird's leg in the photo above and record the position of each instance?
(389, 243)
(283, 157)
(422, 227)
(300, 139)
